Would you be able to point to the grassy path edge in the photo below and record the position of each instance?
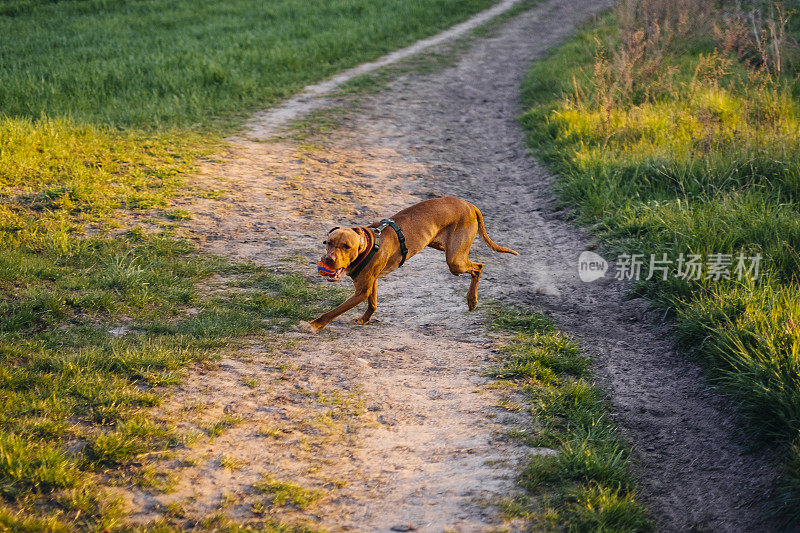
(580, 478)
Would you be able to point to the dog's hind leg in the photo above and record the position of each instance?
(456, 252)
(372, 304)
(472, 293)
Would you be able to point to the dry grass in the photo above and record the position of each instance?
(640, 62)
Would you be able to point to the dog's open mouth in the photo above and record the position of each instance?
(337, 275)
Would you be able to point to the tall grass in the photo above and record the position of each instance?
(675, 133)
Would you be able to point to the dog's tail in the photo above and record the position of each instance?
(485, 236)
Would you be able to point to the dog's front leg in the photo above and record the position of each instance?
(372, 304)
(354, 300)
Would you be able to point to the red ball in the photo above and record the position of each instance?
(323, 270)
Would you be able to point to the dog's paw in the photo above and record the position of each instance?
(361, 321)
(306, 327)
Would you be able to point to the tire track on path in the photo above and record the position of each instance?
(267, 123)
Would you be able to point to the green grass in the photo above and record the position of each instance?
(159, 63)
(587, 484)
(59, 179)
(698, 155)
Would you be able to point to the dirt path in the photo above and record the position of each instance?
(394, 422)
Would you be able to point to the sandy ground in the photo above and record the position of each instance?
(394, 421)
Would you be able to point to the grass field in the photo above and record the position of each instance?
(161, 64)
(105, 106)
(588, 484)
(677, 133)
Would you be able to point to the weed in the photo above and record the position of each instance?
(270, 431)
(178, 214)
(284, 493)
(216, 428)
(175, 510)
(150, 477)
(230, 463)
(515, 507)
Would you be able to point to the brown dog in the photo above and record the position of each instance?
(447, 224)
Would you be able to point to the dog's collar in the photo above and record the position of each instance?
(366, 256)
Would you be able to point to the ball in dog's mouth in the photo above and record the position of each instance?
(331, 274)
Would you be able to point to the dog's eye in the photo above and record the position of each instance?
(346, 246)
(324, 242)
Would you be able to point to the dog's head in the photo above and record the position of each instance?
(342, 246)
